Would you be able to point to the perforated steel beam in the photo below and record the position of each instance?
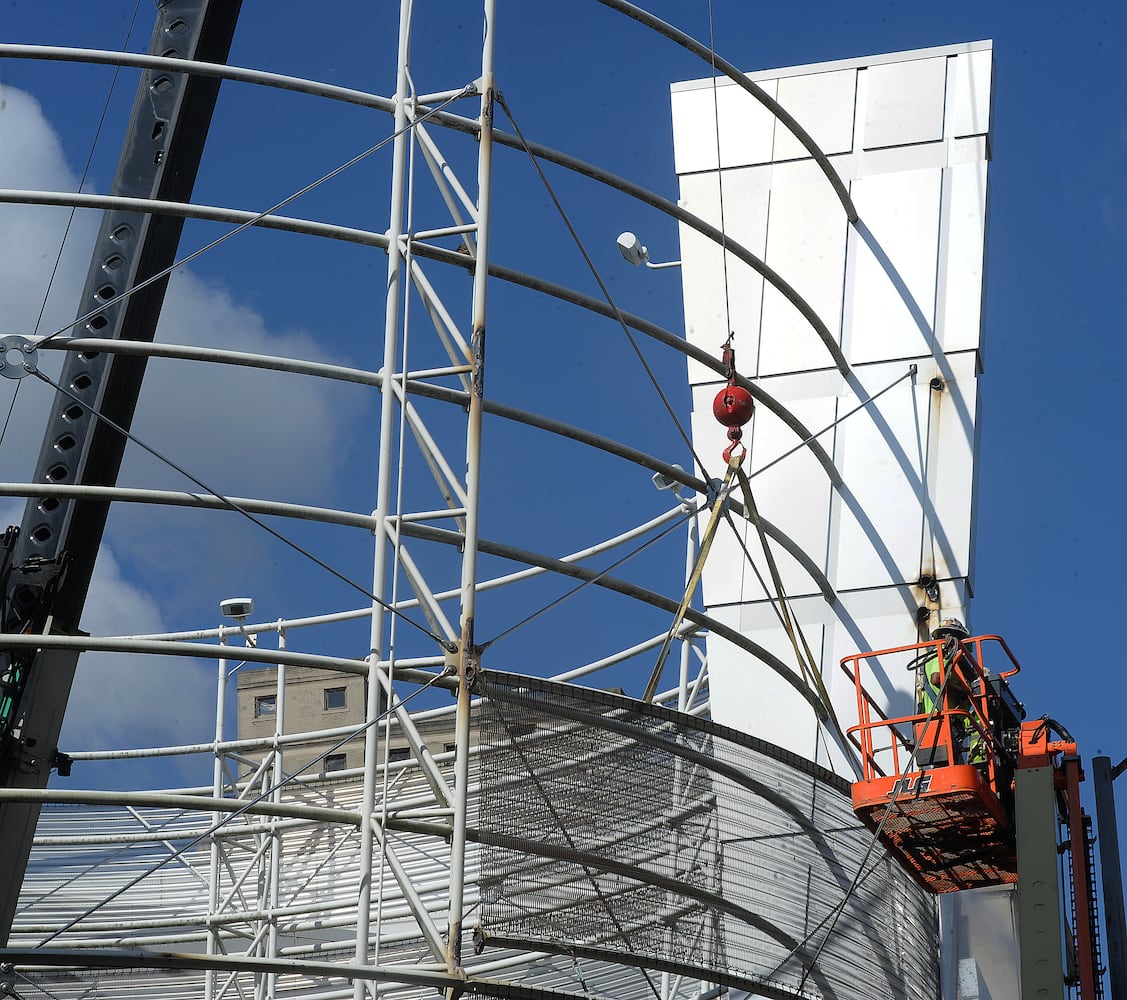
(52, 558)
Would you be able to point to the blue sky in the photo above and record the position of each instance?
(587, 80)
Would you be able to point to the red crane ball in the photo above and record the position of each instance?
(733, 406)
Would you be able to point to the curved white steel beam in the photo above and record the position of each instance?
(416, 386)
(664, 205)
(330, 516)
(734, 74)
(628, 590)
(511, 275)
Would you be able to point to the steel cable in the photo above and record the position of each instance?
(603, 288)
(238, 509)
(465, 92)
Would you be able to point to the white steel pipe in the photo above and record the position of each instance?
(274, 897)
(214, 847)
(468, 655)
(384, 491)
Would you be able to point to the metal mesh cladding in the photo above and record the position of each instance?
(626, 832)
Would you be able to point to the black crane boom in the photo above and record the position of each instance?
(47, 563)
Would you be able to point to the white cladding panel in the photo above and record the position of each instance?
(747, 128)
(800, 504)
(822, 103)
(908, 134)
(905, 102)
(959, 311)
(710, 312)
(892, 291)
(808, 252)
(971, 108)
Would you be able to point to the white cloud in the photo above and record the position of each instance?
(121, 701)
(31, 157)
(244, 431)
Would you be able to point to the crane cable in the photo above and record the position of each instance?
(794, 632)
(719, 501)
(719, 168)
(789, 621)
(733, 407)
(617, 313)
(802, 651)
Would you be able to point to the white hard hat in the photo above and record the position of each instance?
(950, 627)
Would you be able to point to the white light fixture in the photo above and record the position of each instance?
(633, 252)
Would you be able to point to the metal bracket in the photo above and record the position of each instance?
(453, 653)
(8, 981)
(18, 357)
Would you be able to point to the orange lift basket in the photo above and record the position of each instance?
(937, 786)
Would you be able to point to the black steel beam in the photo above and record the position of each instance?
(47, 566)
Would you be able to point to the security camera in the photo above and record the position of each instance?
(664, 482)
(237, 607)
(632, 250)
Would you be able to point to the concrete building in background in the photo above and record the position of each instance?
(312, 701)
(315, 701)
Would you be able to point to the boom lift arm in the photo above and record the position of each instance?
(46, 564)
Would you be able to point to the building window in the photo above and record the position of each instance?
(335, 698)
(265, 706)
(336, 762)
(450, 747)
(399, 753)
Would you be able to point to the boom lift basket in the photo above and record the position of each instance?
(937, 785)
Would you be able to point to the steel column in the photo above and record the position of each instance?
(468, 654)
(384, 487)
(1103, 774)
(683, 695)
(279, 772)
(1081, 879)
(1038, 886)
(214, 867)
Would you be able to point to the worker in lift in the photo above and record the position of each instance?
(929, 688)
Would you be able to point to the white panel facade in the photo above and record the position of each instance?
(908, 135)
(892, 295)
(809, 253)
(800, 508)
